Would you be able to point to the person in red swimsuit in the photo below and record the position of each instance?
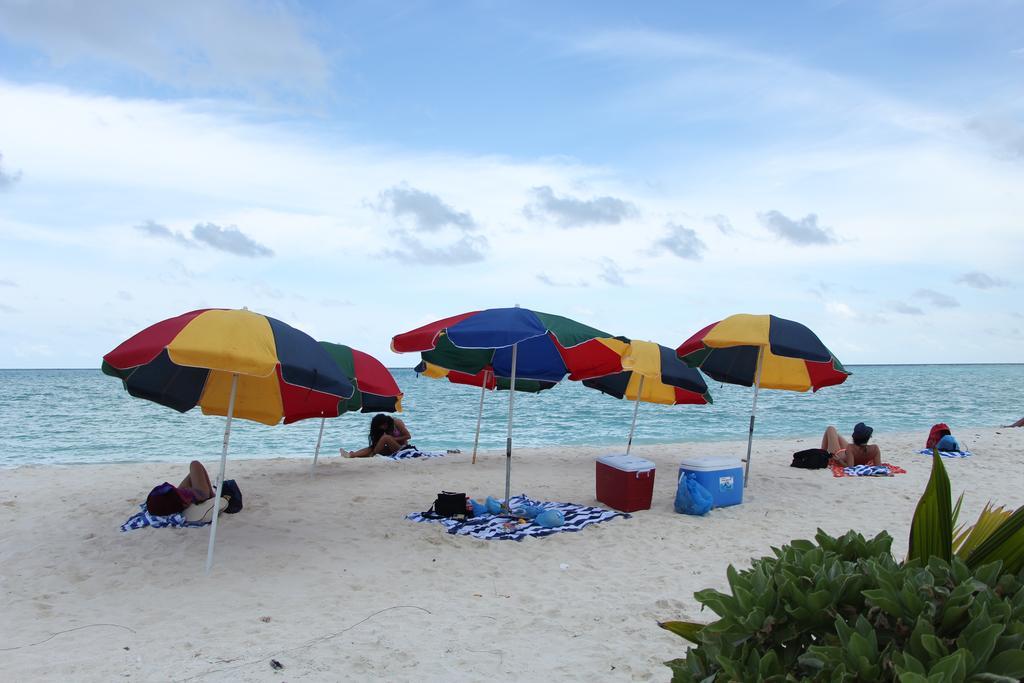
(849, 454)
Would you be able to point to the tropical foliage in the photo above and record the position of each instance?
(844, 609)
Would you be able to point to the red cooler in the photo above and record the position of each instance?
(625, 482)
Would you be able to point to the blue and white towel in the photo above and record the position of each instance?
(867, 471)
(507, 528)
(412, 452)
(143, 519)
(947, 454)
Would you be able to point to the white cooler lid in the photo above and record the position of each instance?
(626, 463)
(711, 462)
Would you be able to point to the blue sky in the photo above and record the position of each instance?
(360, 169)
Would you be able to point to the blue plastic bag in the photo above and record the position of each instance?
(948, 443)
(550, 519)
(691, 497)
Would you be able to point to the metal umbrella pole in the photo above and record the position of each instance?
(508, 439)
(316, 453)
(220, 477)
(753, 409)
(480, 415)
(636, 407)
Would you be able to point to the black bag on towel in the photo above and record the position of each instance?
(234, 495)
(811, 459)
(450, 504)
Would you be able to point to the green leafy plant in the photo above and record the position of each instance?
(997, 534)
(844, 609)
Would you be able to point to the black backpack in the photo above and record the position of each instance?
(811, 459)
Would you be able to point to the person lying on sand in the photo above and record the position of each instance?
(387, 436)
(197, 483)
(849, 454)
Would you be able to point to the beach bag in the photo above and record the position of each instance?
(691, 497)
(164, 500)
(811, 459)
(937, 432)
(450, 504)
(948, 443)
(234, 495)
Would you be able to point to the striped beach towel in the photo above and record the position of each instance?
(143, 519)
(947, 454)
(410, 452)
(509, 529)
(883, 470)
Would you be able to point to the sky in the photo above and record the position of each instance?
(359, 169)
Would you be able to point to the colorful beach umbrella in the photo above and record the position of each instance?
(763, 351)
(376, 390)
(515, 343)
(486, 380)
(653, 374)
(235, 363)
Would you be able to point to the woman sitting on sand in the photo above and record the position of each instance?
(388, 435)
(849, 454)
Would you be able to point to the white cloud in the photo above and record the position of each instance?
(228, 44)
(980, 280)
(682, 242)
(7, 178)
(572, 212)
(304, 197)
(801, 231)
(428, 211)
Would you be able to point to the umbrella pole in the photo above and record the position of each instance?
(220, 477)
(508, 439)
(316, 453)
(636, 407)
(753, 409)
(480, 415)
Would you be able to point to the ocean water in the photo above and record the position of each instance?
(83, 416)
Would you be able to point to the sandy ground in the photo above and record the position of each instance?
(326, 576)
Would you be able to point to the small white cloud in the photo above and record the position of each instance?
(841, 309)
(937, 299)
(721, 222)
(611, 273)
(467, 249)
(429, 212)
(570, 212)
(7, 178)
(980, 280)
(681, 241)
(904, 308)
(803, 231)
(229, 239)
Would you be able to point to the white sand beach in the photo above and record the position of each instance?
(326, 576)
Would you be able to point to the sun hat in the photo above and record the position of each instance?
(861, 432)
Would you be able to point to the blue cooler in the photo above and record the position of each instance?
(722, 476)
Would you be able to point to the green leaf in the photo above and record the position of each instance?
(982, 644)
(684, 629)
(1005, 543)
(931, 530)
(969, 538)
(953, 667)
(1008, 663)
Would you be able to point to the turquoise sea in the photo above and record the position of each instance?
(83, 416)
